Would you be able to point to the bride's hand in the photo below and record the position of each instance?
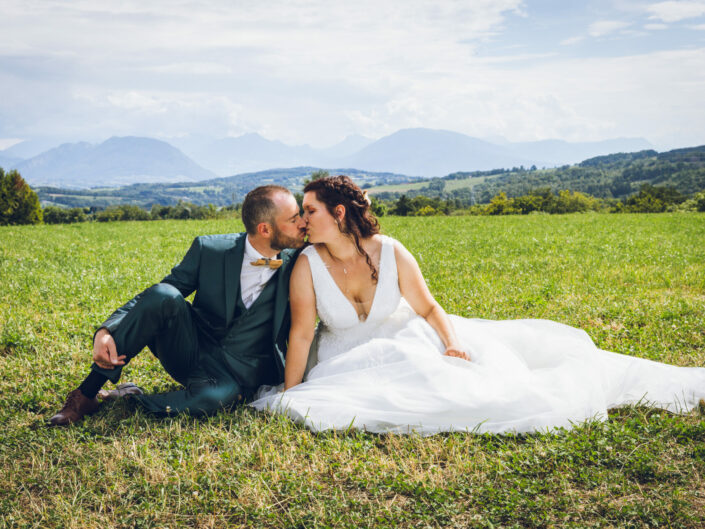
(457, 353)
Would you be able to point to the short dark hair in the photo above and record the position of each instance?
(259, 207)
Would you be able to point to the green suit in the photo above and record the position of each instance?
(217, 348)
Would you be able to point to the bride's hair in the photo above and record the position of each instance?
(359, 222)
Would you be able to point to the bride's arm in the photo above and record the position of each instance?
(303, 322)
(415, 290)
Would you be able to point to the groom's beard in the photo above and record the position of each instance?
(280, 241)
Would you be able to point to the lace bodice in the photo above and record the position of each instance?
(340, 327)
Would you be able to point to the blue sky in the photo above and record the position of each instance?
(315, 71)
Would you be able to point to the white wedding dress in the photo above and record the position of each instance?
(388, 373)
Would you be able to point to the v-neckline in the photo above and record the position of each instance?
(350, 303)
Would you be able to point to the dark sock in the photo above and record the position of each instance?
(91, 386)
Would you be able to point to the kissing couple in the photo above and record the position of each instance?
(384, 356)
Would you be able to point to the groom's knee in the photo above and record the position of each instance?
(163, 298)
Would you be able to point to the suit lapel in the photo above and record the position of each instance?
(282, 300)
(233, 266)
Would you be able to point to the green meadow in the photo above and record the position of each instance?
(450, 185)
(635, 283)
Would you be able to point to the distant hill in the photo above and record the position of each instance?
(610, 176)
(8, 162)
(559, 152)
(347, 147)
(426, 152)
(251, 152)
(115, 161)
(29, 148)
(419, 152)
(217, 191)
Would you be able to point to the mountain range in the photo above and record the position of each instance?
(614, 176)
(415, 152)
(117, 161)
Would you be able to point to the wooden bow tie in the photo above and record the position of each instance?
(271, 263)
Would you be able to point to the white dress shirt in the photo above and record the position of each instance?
(253, 278)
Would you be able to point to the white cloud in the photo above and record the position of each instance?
(699, 27)
(656, 27)
(572, 40)
(674, 11)
(605, 27)
(288, 62)
(6, 143)
(314, 71)
(193, 68)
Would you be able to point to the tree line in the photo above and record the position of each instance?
(19, 204)
(613, 176)
(649, 199)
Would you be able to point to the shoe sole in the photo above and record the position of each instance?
(120, 391)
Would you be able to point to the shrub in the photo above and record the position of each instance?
(19, 204)
(122, 212)
(57, 215)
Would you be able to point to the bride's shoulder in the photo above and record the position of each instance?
(380, 240)
(391, 241)
(401, 254)
(311, 249)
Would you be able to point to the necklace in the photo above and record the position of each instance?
(342, 265)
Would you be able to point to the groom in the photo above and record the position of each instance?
(225, 344)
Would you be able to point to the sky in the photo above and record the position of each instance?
(316, 71)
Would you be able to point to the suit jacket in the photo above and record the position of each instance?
(211, 267)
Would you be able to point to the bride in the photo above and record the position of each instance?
(386, 357)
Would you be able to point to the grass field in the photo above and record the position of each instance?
(635, 283)
(450, 185)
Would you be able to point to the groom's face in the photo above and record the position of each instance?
(288, 229)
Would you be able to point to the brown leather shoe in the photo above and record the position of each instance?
(120, 391)
(77, 405)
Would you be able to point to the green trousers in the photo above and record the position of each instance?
(161, 319)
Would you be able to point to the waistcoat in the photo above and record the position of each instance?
(248, 344)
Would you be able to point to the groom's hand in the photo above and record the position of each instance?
(105, 352)
(457, 353)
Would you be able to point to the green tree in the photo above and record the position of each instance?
(378, 207)
(19, 204)
(500, 205)
(403, 206)
(426, 211)
(653, 199)
(317, 175)
(700, 202)
(122, 212)
(57, 215)
(572, 202)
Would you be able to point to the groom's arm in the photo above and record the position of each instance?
(184, 276)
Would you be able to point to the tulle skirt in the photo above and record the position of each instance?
(524, 376)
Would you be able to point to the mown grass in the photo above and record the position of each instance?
(636, 283)
(450, 185)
